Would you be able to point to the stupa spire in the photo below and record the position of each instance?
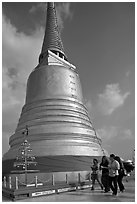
(52, 39)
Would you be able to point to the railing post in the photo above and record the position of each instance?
(78, 177)
(53, 181)
(66, 179)
(89, 176)
(16, 183)
(4, 181)
(36, 181)
(10, 182)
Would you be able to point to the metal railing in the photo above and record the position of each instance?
(15, 183)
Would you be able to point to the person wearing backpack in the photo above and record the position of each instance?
(121, 174)
(113, 174)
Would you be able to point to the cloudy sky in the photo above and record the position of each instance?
(99, 40)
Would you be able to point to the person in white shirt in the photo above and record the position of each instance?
(113, 174)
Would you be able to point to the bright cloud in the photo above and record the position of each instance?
(107, 133)
(112, 132)
(111, 99)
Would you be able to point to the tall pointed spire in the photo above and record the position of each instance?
(52, 39)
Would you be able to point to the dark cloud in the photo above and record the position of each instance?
(12, 72)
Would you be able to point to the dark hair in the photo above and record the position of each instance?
(104, 162)
(106, 159)
(95, 160)
(117, 158)
(112, 155)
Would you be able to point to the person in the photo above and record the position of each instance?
(94, 174)
(121, 174)
(113, 173)
(105, 174)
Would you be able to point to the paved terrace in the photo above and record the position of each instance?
(87, 195)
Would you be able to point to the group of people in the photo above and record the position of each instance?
(112, 174)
